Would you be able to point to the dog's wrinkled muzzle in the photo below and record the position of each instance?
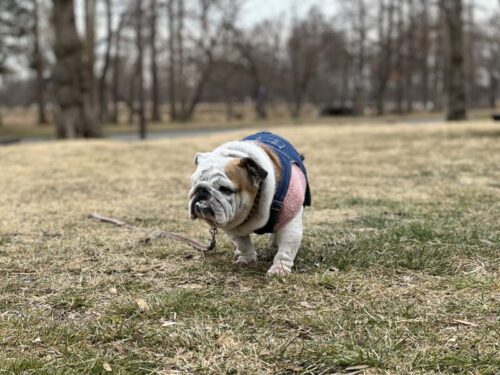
(200, 206)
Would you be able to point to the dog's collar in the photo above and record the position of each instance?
(255, 206)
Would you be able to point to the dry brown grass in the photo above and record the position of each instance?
(399, 268)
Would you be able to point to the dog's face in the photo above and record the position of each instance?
(224, 188)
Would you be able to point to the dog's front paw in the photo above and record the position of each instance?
(278, 270)
(246, 260)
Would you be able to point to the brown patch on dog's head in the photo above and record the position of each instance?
(246, 175)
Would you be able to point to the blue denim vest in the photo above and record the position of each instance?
(287, 155)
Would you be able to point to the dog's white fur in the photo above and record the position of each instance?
(210, 175)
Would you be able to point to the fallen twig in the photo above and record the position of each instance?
(157, 233)
(110, 220)
(464, 322)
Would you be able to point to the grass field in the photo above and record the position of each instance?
(399, 271)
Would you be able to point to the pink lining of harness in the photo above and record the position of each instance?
(294, 198)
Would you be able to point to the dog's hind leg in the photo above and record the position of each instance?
(288, 239)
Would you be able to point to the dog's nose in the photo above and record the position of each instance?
(201, 195)
(200, 207)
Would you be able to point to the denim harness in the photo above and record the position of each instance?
(288, 156)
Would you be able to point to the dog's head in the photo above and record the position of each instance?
(224, 188)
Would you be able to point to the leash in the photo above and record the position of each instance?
(161, 233)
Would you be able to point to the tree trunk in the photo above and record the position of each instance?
(440, 64)
(172, 60)
(259, 93)
(180, 58)
(89, 45)
(188, 112)
(39, 66)
(424, 50)
(400, 60)
(74, 116)
(103, 95)
(140, 68)
(453, 10)
(117, 69)
(131, 97)
(410, 56)
(359, 81)
(385, 53)
(155, 89)
(493, 90)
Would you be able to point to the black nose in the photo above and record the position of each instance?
(201, 195)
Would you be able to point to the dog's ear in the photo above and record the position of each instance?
(254, 169)
(200, 156)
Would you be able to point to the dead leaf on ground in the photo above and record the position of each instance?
(107, 367)
(227, 342)
(143, 305)
(487, 243)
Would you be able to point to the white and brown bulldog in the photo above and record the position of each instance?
(256, 185)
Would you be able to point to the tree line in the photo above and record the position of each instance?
(370, 57)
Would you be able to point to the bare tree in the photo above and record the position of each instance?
(140, 67)
(103, 86)
(256, 54)
(89, 45)
(180, 82)
(117, 65)
(358, 14)
(385, 31)
(424, 47)
(74, 114)
(305, 48)
(194, 50)
(400, 44)
(155, 83)
(453, 12)
(38, 64)
(172, 53)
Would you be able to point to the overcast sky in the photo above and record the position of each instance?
(256, 10)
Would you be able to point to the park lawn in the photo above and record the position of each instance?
(398, 271)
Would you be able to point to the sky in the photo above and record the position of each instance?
(256, 10)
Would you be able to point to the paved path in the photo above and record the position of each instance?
(183, 133)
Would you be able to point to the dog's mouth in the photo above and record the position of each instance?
(202, 210)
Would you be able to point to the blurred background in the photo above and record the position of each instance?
(93, 68)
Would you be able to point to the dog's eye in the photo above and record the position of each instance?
(226, 190)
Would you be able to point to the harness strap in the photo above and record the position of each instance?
(287, 156)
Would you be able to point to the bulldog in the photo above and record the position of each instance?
(256, 185)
